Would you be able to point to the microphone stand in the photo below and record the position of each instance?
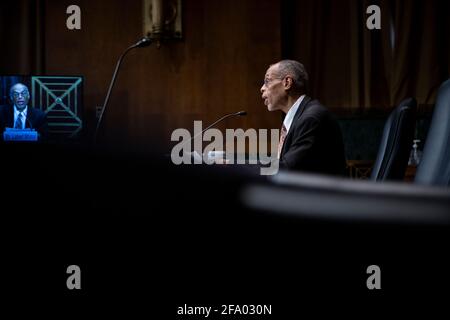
(240, 113)
(141, 43)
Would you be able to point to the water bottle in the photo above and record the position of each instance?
(415, 155)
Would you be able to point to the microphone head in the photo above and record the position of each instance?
(144, 42)
(241, 113)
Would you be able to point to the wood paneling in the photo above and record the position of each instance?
(21, 33)
(217, 68)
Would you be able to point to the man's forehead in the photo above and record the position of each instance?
(271, 70)
(20, 87)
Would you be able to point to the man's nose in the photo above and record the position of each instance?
(262, 89)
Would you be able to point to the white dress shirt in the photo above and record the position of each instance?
(24, 116)
(291, 113)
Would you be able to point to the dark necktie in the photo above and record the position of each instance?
(19, 122)
(282, 137)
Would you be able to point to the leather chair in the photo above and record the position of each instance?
(396, 142)
(434, 168)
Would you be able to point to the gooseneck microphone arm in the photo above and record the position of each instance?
(144, 42)
(240, 113)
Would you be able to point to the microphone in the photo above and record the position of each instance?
(235, 114)
(144, 42)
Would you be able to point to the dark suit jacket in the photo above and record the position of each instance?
(314, 142)
(36, 119)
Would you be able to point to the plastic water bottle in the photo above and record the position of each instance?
(415, 155)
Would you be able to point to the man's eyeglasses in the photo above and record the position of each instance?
(18, 94)
(267, 81)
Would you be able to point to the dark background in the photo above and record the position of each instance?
(149, 237)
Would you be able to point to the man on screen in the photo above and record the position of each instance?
(19, 115)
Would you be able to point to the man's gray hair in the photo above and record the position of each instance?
(296, 70)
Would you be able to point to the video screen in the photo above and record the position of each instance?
(53, 104)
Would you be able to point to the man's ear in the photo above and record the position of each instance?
(288, 82)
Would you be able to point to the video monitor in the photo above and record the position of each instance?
(59, 97)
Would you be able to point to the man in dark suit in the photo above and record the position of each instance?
(310, 138)
(19, 115)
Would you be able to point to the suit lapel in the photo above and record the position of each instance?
(300, 109)
(30, 118)
(297, 116)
